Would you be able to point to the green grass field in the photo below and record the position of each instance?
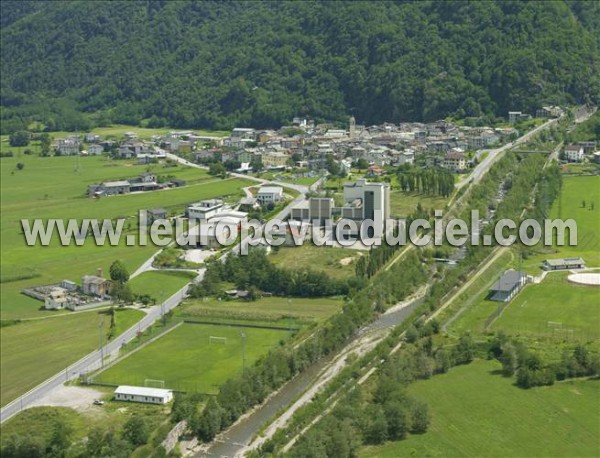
(403, 204)
(477, 413)
(186, 360)
(55, 188)
(34, 350)
(337, 262)
(575, 190)
(160, 285)
(556, 300)
(49, 188)
(266, 308)
(469, 311)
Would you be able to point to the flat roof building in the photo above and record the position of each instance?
(563, 264)
(143, 394)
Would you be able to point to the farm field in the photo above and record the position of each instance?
(186, 359)
(266, 308)
(575, 190)
(336, 262)
(34, 350)
(554, 300)
(160, 285)
(49, 188)
(475, 412)
(403, 204)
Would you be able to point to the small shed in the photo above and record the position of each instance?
(563, 264)
(143, 394)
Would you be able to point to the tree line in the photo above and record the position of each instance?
(217, 65)
(437, 181)
(255, 270)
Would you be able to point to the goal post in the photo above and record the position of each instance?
(153, 383)
(217, 340)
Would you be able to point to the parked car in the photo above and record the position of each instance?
(98, 402)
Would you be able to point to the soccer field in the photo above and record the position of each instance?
(554, 307)
(475, 412)
(187, 359)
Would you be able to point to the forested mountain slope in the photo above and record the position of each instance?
(215, 65)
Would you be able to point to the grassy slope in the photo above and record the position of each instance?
(186, 361)
(477, 413)
(160, 285)
(403, 204)
(35, 350)
(318, 258)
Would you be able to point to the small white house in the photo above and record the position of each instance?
(574, 153)
(143, 394)
(269, 194)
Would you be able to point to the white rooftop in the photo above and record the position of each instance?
(142, 391)
(269, 189)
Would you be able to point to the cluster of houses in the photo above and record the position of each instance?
(307, 145)
(145, 182)
(94, 291)
(311, 146)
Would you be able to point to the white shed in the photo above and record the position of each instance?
(143, 394)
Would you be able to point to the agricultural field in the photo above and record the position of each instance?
(55, 188)
(336, 262)
(278, 309)
(475, 412)
(160, 285)
(187, 359)
(51, 188)
(36, 349)
(576, 191)
(555, 307)
(403, 204)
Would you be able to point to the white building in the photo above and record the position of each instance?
(269, 194)
(56, 299)
(574, 153)
(205, 209)
(143, 394)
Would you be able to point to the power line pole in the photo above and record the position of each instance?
(100, 325)
(243, 336)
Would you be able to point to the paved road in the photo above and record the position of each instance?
(494, 154)
(93, 360)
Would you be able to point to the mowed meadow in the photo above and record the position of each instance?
(477, 412)
(56, 187)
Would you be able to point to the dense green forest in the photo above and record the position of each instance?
(220, 64)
